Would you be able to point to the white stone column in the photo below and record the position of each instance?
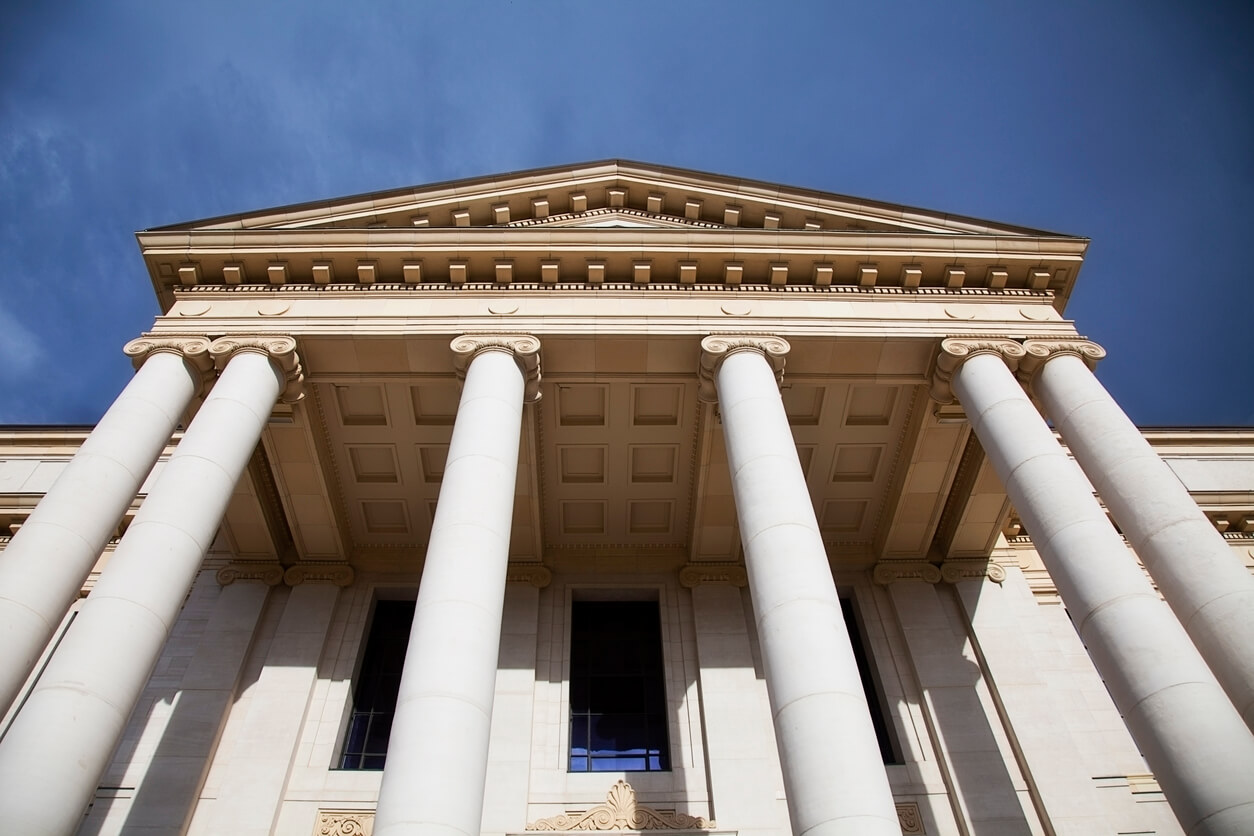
(46, 562)
(1186, 727)
(833, 774)
(1206, 584)
(61, 741)
(433, 782)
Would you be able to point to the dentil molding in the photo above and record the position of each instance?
(524, 347)
(621, 812)
(279, 349)
(718, 347)
(955, 351)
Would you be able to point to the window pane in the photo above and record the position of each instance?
(374, 698)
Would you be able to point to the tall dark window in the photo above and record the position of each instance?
(617, 694)
(374, 698)
(873, 698)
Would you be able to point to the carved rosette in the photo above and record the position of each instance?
(1040, 352)
(718, 347)
(891, 571)
(695, 574)
(957, 350)
(621, 812)
(340, 574)
(271, 574)
(280, 350)
(193, 349)
(534, 574)
(344, 823)
(524, 347)
(953, 571)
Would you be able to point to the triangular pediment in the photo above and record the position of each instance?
(612, 193)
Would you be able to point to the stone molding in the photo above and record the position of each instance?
(955, 351)
(891, 571)
(269, 573)
(694, 574)
(718, 347)
(909, 818)
(975, 569)
(1040, 352)
(279, 349)
(193, 349)
(525, 349)
(534, 574)
(345, 823)
(621, 812)
(340, 574)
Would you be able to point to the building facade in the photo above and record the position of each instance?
(621, 497)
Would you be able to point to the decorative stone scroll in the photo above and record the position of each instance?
(347, 823)
(891, 571)
(340, 574)
(909, 819)
(524, 347)
(280, 349)
(193, 349)
(694, 574)
(271, 574)
(621, 812)
(953, 571)
(956, 351)
(1040, 352)
(718, 347)
(534, 574)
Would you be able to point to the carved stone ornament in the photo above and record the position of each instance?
(340, 574)
(345, 823)
(524, 347)
(1040, 352)
(280, 349)
(891, 571)
(621, 812)
(718, 347)
(953, 571)
(957, 350)
(532, 573)
(909, 818)
(695, 574)
(194, 351)
(271, 574)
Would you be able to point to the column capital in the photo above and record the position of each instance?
(194, 350)
(532, 573)
(1040, 352)
(718, 347)
(955, 351)
(693, 575)
(279, 349)
(891, 571)
(974, 569)
(524, 347)
(268, 572)
(340, 574)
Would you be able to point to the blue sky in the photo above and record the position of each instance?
(1128, 123)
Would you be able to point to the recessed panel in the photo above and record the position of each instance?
(435, 404)
(583, 517)
(361, 405)
(656, 405)
(803, 403)
(373, 463)
(805, 455)
(870, 406)
(843, 515)
(581, 464)
(653, 463)
(581, 405)
(432, 458)
(856, 462)
(385, 516)
(649, 517)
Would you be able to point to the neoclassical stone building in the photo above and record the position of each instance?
(616, 497)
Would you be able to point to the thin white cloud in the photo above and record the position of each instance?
(20, 350)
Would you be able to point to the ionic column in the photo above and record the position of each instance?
(433, 782)
(1186, 727)
(1211, 592)
(46, 562)
(834, 777)
(61, 741)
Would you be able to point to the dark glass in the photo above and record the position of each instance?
(617, 690)
(868, 684)
(374, 698)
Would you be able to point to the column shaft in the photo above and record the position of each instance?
(45, 564)
(437, 754)
(1203, 581)
(61, 741)
(1184, 724)
(833, 774)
